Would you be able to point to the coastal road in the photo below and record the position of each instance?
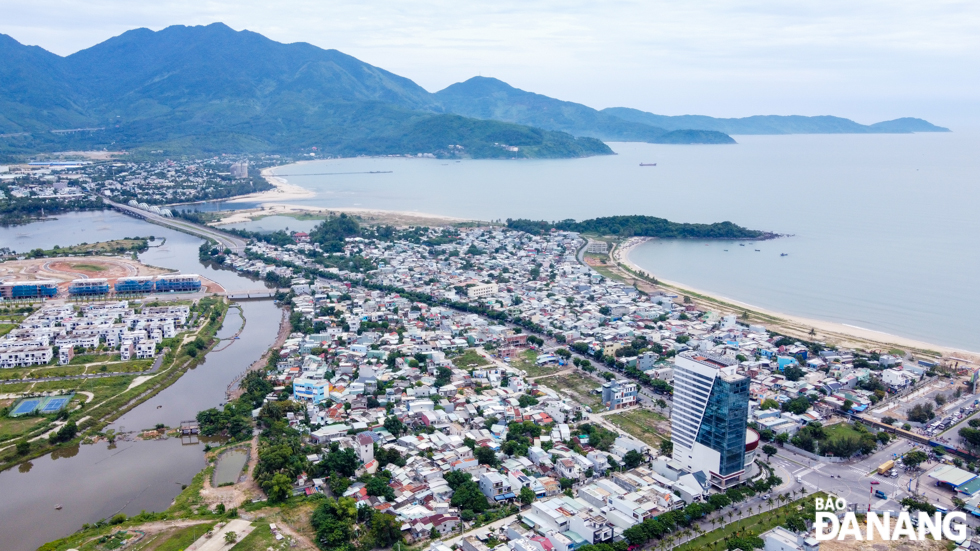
(225, 240)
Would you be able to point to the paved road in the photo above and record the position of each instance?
(226, 240)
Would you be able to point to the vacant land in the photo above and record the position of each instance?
(469, 359)
(648, 426)
(577, 385)
(526, 362)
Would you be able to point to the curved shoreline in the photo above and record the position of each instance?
(835, 331)
(829, 330)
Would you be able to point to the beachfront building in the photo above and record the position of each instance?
(710, 415)
(89, 287)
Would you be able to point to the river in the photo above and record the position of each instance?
(97, 481)
(884, 228)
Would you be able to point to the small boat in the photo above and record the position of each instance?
(741, 244)
(57, 507)
(648, 164)
(726, 250)
(783, 254)
(758, 251)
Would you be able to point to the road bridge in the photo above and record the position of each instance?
(225, 240)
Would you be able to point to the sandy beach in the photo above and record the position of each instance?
(284, 191)
(371, 216)
(831, 332)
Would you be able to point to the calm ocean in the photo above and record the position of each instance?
(884, 227)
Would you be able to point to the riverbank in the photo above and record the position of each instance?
(115, 395)
(835, 333)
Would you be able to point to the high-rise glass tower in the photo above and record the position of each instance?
(709, 417)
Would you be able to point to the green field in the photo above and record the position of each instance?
(525, 361)
(470, 359)
(648, 426)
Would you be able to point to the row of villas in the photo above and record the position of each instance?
(69, 327)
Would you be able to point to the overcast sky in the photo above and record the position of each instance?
(867, 60)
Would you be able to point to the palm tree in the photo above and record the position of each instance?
(769, 502)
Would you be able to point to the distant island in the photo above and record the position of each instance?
(774, 124)
(642, 226)
(210, 89)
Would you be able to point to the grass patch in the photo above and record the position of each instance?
(526, 361)
(15, 427)
(756, 524)
(261, 539)
(470, 359)
(88, 267)
(6, 328)
(840, 430)
(648, 426)
(181, 538)
(580, 385)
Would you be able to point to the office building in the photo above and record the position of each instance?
(709, 417)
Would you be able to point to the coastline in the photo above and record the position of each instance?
(832, 332)
(284, 191)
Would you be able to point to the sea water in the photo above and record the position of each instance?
(884, 226)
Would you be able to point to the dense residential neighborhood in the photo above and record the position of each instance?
(428, 380)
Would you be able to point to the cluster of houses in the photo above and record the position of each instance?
(116, 325)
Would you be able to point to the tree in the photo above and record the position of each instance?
(526, 495)
(231, 537)
(455, 479)
(666, 446)
(769, 450)
(914, 458)
(888, 420)
(769, 403)
(385, 530)
(23, 447)
(940, 399)
(279, 488)
(921, 413)
(485, 456)
(846, 406)
(394, 426)
(566, 483)
(797, 405)
(343, 462)
(782, 438)
(632, 459)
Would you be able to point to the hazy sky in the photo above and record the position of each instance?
(870, 60)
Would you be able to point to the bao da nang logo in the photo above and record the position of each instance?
(913, 525)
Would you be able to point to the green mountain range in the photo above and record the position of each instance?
(211, 89)
(489, 98)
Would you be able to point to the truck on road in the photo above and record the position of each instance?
(886, 466)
